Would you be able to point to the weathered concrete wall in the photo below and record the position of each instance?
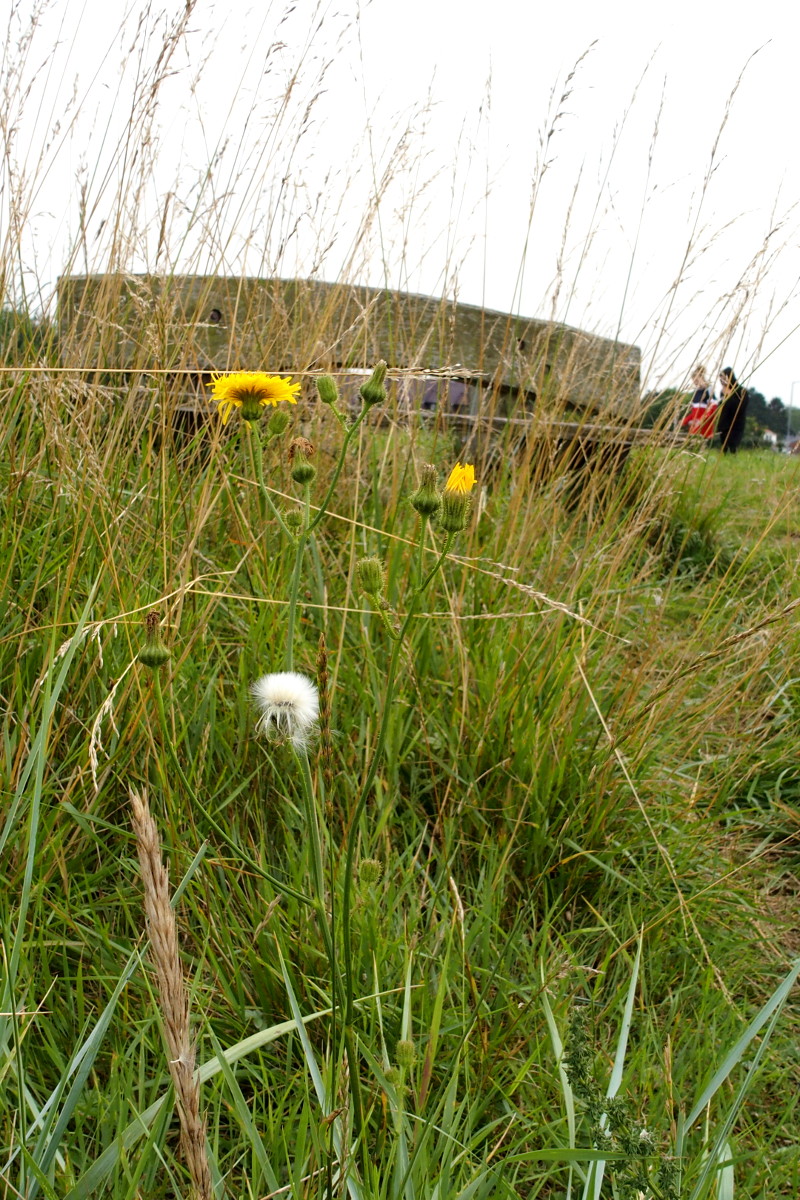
(207, 323)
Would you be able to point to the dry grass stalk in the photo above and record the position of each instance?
(163, 933)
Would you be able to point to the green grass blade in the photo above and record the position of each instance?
(245, 1119)
(594, 1181)
(734, 1055)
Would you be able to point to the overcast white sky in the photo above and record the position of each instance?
(649, 192)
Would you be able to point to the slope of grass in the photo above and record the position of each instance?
(592, 737)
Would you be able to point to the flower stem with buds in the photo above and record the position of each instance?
(258, 457)
(352, 837)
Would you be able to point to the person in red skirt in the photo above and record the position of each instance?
(700, 416)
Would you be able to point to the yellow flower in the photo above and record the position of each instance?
(462, 479)
(251, 391)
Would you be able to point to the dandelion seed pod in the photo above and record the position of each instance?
(288, 704)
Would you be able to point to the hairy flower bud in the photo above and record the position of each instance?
(327, 389)
(427, 499)
(301, 451)
(293, 520)
(454, 513)
(153, 653)
(406, 1054)
(373, 391)
(278, 423)
(371, 576)
(369, 872)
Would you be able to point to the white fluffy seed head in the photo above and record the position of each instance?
(288, 704)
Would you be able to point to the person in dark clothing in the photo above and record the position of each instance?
(732, 411)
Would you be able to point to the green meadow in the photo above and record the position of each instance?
(525, 922)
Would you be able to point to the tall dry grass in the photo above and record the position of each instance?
(592, 741)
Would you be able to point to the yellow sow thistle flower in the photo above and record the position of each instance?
(251, 391)
(462, 479)
(456, 499)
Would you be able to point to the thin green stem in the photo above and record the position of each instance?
(352, 835)
(258, 457)
(312, 821)
(421, 547)
(326, 921)
(338, 470)
(294, 593)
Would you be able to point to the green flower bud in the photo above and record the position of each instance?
(454, 512)
(427, 499)
(153, 653)
(293, 519)
(301, 450)
(369, 872)
(303, 471)
(327, 389)
(371, 576)
(278, 423)
(405, 1054)
(373, 391)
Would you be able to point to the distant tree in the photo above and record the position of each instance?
(758, 413)
(776, 416)
(659, 407)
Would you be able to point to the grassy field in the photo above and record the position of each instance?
(561, 810)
